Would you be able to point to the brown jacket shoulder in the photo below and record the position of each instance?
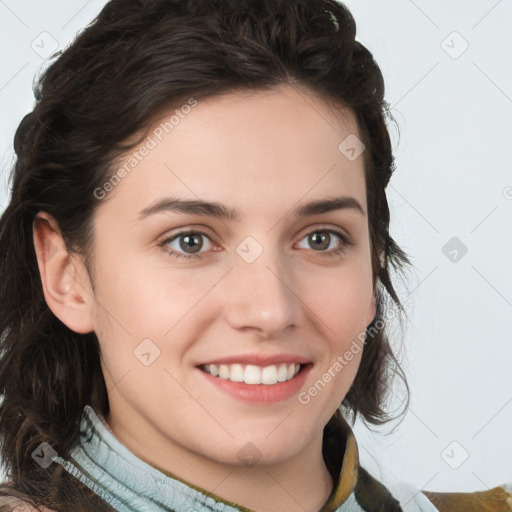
(496, 499)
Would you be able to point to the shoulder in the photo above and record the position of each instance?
(497, 499)
(13, 504)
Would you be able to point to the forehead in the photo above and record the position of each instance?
(254, 150)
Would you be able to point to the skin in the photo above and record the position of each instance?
(263, 153)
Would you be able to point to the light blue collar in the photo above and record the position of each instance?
(128, 484)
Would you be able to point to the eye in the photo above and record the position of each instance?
(190, 242)
(322, 239)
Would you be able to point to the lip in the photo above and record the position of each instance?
(259, 393)
(259, 359)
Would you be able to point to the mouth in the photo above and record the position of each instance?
(252, 374)
(253, 379)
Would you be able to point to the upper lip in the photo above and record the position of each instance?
(259, 359)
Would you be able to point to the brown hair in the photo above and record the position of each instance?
(134, 61)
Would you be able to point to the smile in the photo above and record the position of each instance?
(252, 374)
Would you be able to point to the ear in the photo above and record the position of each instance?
(64, 278)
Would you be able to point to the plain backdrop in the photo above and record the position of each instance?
(448, 72)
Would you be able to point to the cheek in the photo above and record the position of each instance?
(148, 304)
(149, 300)
(342, 302)
(348, 315)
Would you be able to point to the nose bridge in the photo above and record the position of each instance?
(260, 290)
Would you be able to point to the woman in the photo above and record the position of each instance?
(195, 266)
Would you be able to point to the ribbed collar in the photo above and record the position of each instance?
(130, 484)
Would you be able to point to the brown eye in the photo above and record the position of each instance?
(189, 244)
(319, 239)
(191, 241)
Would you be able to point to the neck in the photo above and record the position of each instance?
(301, 483)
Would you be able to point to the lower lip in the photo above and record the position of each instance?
(261, 393)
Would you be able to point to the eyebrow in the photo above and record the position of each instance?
(220, 211)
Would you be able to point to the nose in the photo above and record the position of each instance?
(260, 296)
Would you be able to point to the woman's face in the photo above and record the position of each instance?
(261, 279)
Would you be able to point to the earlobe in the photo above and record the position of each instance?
(65, 282)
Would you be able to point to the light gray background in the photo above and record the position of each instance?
(453, 179)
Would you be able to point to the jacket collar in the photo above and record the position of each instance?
(130, 484)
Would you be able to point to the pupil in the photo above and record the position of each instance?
(188, 242)
(319, 241)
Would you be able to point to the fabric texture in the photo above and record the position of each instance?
(128, 484)
(102, 475)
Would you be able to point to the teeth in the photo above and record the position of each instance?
(224, 371)
(269, 375)
(251, 374)
(282, 373)
(236, 373)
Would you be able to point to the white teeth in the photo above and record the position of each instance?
(224, 371)
(251, 374)
(269, 375)
(237, 373)
(282, 373)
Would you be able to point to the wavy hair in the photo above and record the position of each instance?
(135, 60)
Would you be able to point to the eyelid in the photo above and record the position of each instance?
(187, 229)
(323, 227)
(168, 238)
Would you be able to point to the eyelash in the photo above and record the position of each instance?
(345, 243)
